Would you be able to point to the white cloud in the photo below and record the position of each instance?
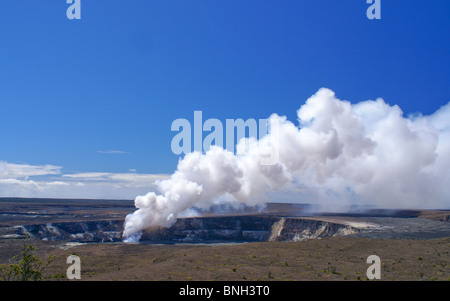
(112, 152)
(14, 171)
(23, 180)
(115, 177)
(87, 175)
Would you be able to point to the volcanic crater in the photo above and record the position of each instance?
(102, 221)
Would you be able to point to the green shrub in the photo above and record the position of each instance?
(25, 267)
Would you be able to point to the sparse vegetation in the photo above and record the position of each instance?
(268, 261)
(26, 267)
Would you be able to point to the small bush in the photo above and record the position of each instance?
(25, 267)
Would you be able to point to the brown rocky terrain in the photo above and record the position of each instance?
(321, 259)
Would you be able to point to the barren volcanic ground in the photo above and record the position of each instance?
(279, 242)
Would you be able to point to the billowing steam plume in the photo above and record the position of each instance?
(340, 154)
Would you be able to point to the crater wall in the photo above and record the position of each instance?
(193, 230)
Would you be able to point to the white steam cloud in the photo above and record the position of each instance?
(341, 153)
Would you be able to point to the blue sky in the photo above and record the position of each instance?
(99, 94)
